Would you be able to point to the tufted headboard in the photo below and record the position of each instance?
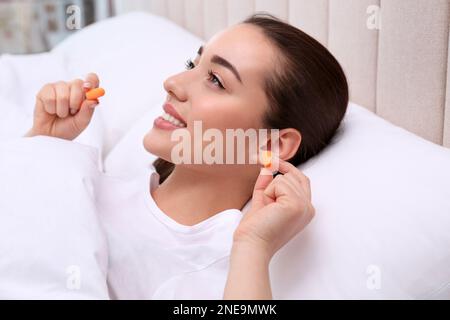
(395, 52)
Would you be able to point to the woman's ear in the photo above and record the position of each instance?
(288, 143)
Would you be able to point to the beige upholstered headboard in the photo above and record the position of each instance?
(395, 52)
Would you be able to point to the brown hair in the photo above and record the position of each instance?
(307, 91)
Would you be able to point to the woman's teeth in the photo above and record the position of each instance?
(172, 120)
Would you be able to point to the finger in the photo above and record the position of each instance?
(280, 191)
(76, 95)
(304, 181)
(47, 98)
(84, 115)
(263, 180)
(62, 99)
(91, 81)
(284, 193)
(294, 182)
(287, 167)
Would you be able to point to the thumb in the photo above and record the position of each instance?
(83, 117)
(259, 199)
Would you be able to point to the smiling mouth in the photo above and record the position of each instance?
(173, 120)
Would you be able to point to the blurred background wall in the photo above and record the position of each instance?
(31, 26)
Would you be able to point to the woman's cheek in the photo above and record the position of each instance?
(223, 119)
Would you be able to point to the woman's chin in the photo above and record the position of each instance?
(156, 144)
(152, 143)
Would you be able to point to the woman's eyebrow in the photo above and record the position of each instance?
(219, 60)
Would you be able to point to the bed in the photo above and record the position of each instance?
(381, 189)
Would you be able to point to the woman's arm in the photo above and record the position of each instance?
(281, 208)
(248, 276)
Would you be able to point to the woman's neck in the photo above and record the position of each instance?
(190, 196)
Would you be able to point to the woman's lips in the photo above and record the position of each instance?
(173, 112)
(164, 124)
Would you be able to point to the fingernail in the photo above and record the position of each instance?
(73, 111)
(86, 85)
(92, 106)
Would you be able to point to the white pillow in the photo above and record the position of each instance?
(51, 243)
(382, 196)
(129, 156)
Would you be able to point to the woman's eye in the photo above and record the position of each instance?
(189, 64)
(214, 79)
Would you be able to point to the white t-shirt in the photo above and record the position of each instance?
(151, 256)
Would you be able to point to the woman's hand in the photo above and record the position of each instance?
(62, 110)
(281, 208)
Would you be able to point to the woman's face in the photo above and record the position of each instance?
(231, 97)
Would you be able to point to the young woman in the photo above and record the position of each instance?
(259, 74)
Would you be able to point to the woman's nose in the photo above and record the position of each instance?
(176, 87)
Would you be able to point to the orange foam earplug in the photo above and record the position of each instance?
(95, 93)
(267, 158)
